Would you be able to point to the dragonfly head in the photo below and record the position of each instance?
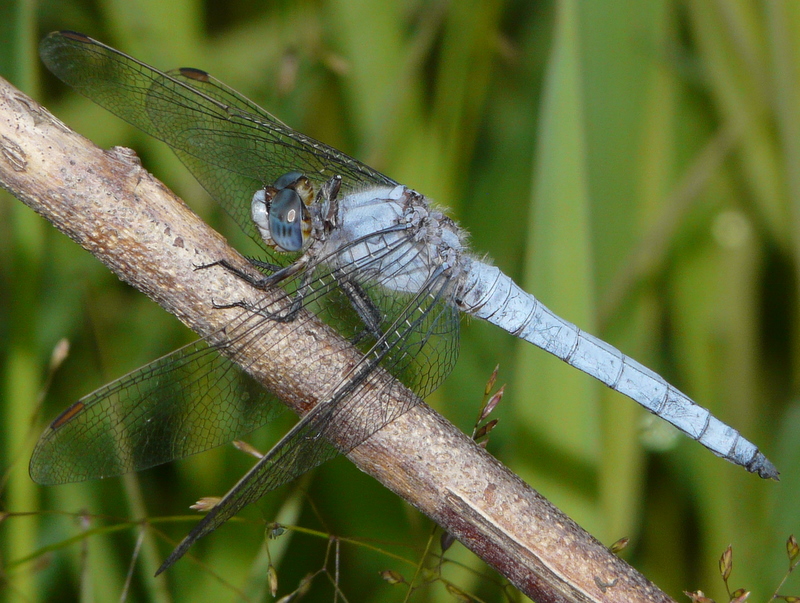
(281, 212)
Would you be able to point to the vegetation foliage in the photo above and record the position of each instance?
(634, 164)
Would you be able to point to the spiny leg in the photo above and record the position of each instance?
(287, 315)
(366, 309)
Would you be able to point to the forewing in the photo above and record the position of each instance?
(278, 148)
(232, 146)
(188, 401)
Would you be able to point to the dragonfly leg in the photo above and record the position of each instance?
(328, 197)
(287, 314)
(367, 311)
(280, 316)
(255, 281)
(265, 266)
(263, 282)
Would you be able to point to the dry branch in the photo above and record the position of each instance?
(110, 205)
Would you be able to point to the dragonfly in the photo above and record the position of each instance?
(372, 258)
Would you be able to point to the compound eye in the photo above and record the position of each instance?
(287, 180)
(286, 220)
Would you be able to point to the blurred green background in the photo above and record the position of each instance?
(634, 164)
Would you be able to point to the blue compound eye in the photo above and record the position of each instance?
(287, 180)
(286, 220)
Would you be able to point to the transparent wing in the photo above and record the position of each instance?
(188, 401)
(232, 146)
(426, 325)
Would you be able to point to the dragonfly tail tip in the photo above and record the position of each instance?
(764, 467)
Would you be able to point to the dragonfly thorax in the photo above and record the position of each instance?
(281, 212)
